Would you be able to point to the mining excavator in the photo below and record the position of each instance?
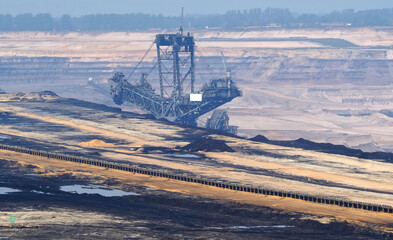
(177, 100)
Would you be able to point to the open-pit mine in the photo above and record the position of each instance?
(74, 163)
(74, 138)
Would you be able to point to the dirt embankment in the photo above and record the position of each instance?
(96, 143)
(327, 148)
(110, 135)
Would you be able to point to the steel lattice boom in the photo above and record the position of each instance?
(177, 101)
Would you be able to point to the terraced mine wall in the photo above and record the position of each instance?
(365, 67)
(50, 70)
(201, 180)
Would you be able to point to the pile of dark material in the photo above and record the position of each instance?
(208, 144)
(327, 148)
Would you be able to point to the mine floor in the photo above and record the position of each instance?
(44, 121)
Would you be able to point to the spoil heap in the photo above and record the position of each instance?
(326, 148)
(208, 144)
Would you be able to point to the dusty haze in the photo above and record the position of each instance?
(325, 85)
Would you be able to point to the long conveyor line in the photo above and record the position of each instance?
(202, 180)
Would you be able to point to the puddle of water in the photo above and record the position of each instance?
(3, 138)
(39, 192)
(96, 189)
(6, 190)
(254, 227)
(150, 189)
(30, 174)
(182, 155)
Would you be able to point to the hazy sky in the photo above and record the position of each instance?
(173, 7)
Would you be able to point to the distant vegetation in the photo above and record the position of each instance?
(270, 17)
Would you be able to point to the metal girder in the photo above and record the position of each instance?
(174, 100)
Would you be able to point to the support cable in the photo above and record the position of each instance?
(136, 67)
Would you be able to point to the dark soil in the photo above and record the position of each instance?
(156, 214)
(208, 144)
(327, 148)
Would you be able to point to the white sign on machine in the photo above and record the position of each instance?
(195, 97)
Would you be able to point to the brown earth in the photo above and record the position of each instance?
(43, 211)
(384, 220)
(96, 143)
(296, 83)
(37, 124)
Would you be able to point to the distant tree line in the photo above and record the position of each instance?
(230, 20)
